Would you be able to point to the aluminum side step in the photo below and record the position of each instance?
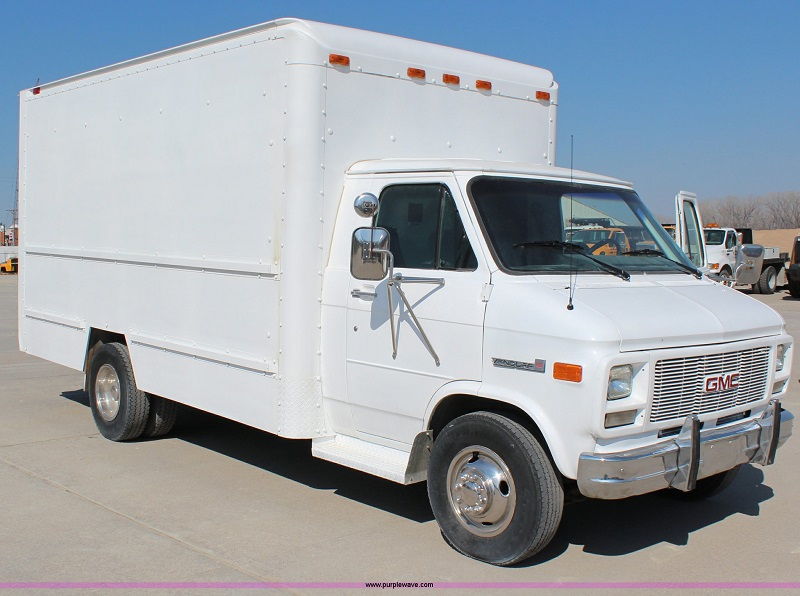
(385, 462)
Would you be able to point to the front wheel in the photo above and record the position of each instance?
(493, 489)
(726, 277)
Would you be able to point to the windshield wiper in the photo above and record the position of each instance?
(571, 247)
(657, 253)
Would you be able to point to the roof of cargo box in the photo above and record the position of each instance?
(388, 166)
(362, 43)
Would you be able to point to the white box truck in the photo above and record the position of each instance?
(363, 240)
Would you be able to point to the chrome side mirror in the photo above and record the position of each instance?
(369, 255)
(366, 204)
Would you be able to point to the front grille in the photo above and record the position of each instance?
(679, 388)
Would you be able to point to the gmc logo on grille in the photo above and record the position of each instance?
(716, 383)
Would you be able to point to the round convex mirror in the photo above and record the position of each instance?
(366, 204)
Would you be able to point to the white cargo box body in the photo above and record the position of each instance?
(186, 199)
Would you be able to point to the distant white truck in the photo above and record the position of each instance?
(722, 250)
(362, 240)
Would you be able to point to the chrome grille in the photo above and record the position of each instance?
(679, 383)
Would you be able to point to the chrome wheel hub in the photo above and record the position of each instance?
(107, 392)
(481, 491)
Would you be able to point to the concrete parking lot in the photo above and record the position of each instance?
(220, 502)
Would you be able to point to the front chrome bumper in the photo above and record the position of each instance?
(691, 455)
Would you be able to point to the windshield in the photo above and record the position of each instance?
(714, 237)
(524, 219)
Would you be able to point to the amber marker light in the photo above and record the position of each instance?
(568, 372)
(338, 60)
(451, 79)
(543, 95)
(483, 85)
(415, 73)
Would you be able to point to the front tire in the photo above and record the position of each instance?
(493, 489)
(726, 277)
(119, 408)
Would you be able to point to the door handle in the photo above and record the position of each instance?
(362, 294)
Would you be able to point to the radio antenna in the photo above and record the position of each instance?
(572, 283)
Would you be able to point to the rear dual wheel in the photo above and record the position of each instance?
(493, 489)
(120, 409)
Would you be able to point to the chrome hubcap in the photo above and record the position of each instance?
(107, 392)
(481, 491)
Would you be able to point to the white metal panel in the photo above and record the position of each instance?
(390, 395)
(151, 199)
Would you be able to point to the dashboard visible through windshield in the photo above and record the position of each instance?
(538, 226)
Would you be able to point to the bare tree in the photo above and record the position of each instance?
(781, 210)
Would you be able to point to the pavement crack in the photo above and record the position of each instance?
(50, 440)
(193, 547)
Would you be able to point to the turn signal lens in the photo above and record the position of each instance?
(543, 95)
(614, 419)
(568, 372)
(415, 73)
(339, 60)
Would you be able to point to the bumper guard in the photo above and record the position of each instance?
(688, 457)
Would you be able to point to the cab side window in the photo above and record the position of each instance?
(730, 240)
(425, 229)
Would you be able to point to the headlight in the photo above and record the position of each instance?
(620, 382)
(780, 354)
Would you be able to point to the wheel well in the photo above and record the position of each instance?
(100, 336)
(456, 405)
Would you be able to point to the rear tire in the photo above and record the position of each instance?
(493, 489)
(119, 408)
(161, 418)
(768, 281)
(794, 289)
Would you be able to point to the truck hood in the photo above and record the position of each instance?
(651, 315)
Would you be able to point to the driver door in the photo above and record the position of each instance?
(436, 254)
(689, 228)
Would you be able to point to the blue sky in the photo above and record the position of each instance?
(701, 96)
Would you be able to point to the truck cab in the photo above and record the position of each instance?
(501, 308)
(721, 246)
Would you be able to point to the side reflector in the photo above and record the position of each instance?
(415, 73)
(543, 95)
(568, 372)
(449, 79)
(36, 90)
(338, 60)
(485, 85)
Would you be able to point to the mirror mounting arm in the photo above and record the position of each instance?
(396, 281)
